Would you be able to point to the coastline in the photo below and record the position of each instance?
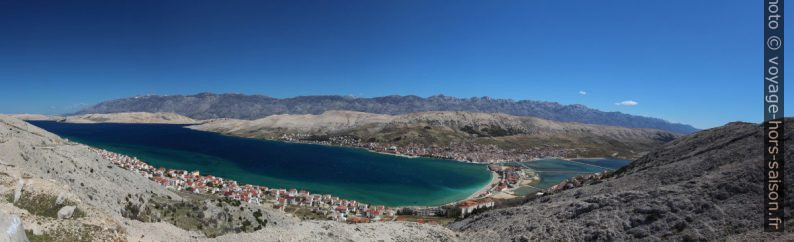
(495, 179)
(589, 158)
(478, 193)
(190, 126)
(324, 144)
(438, 199)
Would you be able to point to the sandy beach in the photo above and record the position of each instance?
(494, 180)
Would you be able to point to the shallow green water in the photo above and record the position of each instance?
(554, 171)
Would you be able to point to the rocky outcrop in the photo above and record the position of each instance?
(238, 106)
(704, 186)
(11, 228)
(66, 212)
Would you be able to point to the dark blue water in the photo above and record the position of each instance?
(346, 172)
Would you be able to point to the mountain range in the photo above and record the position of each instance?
(238, 106)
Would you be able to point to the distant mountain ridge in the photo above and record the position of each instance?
(239, 106)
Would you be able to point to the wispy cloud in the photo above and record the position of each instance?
(627, 103)
(582, 93)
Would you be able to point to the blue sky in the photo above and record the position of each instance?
(694, 62)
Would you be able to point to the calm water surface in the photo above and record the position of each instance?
(346, 172)
(554, 171)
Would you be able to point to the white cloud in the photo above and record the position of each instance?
(627, 103)
(582, 93)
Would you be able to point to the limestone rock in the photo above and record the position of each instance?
(11, 228)
(60, 199)
(18, 190)
(66, 212)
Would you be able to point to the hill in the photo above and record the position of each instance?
(238, 106)
(704, 186)
(133, 117)
(474, 136)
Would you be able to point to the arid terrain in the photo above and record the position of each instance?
(479, 137)
(705, 186)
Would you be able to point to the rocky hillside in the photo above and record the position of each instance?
(238, 106)
(62, 191)
(705, 186)
(447, 129)
(37, 117)
(134, 117)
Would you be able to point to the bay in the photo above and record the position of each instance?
(350, 173)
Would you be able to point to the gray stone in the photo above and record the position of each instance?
(60, 199)
(11, 228)
(66, 212)
(18, 191)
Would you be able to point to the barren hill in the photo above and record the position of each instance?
(445, 129)
(133, 117)
(705, 186)
(239, 106)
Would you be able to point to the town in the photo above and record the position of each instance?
(461, 151)
(320, 206)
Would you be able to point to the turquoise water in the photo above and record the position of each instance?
(554, 171)
(346, 172)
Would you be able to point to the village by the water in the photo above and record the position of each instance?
(505, 180)
(467, 152)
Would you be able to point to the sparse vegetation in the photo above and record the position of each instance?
(208, 214)
(42, 204)
(83, 232)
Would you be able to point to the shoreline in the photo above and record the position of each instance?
(190, 126)
(592, 158)
(403, 155)
(495, 179)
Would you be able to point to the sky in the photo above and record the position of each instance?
(693, 62)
